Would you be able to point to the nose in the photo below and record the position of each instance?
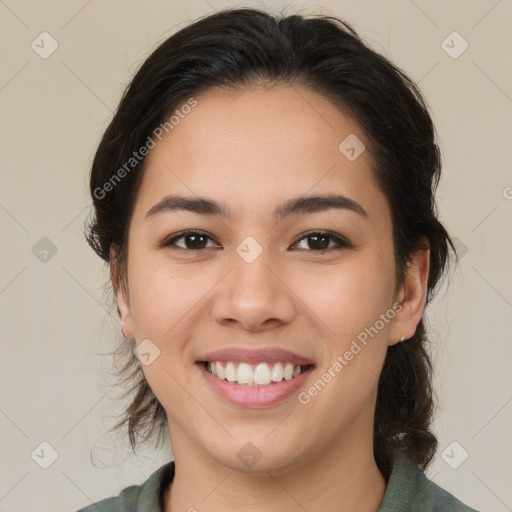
(254, 296)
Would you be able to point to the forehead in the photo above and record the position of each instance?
(253, 148)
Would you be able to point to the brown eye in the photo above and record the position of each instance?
(193, 241)
(319, 241)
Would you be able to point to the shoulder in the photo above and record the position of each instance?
(410, 490)
(138, 498)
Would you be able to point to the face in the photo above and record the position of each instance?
(262, 295)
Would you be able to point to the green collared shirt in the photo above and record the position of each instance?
(408, 490)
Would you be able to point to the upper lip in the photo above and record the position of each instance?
(255, 355)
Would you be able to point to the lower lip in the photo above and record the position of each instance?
(247, 396)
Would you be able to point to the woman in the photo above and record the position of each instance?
(264, 197)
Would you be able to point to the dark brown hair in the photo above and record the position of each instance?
(243, 47)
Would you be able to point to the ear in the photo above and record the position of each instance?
(121, 296)
(412, 296)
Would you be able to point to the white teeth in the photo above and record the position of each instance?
(253, 375)
(262, 375)
(288, 371)
(244, 375)
(212, 367)
(277, 372)
(230, 372)
(219, 371)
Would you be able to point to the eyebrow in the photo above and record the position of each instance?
(296, 206)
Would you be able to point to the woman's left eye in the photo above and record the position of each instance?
(318, 241)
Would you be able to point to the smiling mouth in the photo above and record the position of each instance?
(254, 375)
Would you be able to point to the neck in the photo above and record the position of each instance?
(344, 478)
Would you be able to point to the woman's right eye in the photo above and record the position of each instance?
(193, 241)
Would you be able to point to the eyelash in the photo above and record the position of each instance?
(341, 243)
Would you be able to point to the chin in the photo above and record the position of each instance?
(256, 453)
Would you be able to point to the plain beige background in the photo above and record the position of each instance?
(55, 323)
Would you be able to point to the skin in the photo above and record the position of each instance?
(254, 149)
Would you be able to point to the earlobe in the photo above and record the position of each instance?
(413, 296)
(121, 297)
(123, 309)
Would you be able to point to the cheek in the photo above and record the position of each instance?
(162, 295)
(163, 302)
(348, 297)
